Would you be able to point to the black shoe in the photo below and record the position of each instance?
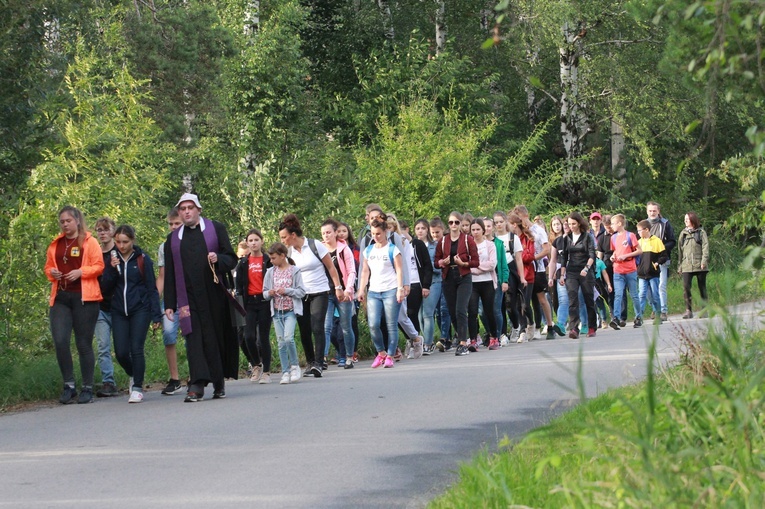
(614, 325)
(664, 317)
(447, 346)
(69, 396)
(193, 397)
(461, 350)
(315, 370)
(86, 396)
(173, 387)
(622, 323)
(560, 332)
(348, 365)
(219, 394)
(638, 322)
(108, 390)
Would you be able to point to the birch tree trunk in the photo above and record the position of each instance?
(387, 14)
(618, 168)
(440, 26)
(574, 123)
(252, 18)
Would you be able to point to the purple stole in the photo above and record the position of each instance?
(211, 239)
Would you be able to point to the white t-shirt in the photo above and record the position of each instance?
(311, 268)
(382, 273)
(540, 238)
(484, 254)
(517, 246)
(411, 263)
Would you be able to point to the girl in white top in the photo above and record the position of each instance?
(313, 260)
(484, 285)
(517, 281)
(383, 272)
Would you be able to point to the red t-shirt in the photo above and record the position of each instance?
(624, 243)
(69, 258)
(255, 275)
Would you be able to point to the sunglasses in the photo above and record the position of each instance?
(455, 222)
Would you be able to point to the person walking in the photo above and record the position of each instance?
(73, 263)
(576, 271)
(196, 256)
(105, 231)
(693, 260)
(135, 304)
(661, 228)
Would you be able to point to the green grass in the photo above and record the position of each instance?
(691, 437)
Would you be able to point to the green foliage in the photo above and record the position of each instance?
(427, 163)
(107, 163)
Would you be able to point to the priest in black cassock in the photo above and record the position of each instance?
(196, 256)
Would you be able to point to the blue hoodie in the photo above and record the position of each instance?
(133, 291)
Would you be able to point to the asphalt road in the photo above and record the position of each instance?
(355, 438)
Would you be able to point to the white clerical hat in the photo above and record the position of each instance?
(189, 197)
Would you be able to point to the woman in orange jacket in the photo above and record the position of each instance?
(73, 264)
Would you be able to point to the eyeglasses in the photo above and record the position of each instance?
(455, 222)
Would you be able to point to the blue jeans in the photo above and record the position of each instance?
(662, 289)
(104, 339)
(444, 319)
(376, 302)
(428, 312)
(630, 281)
(284, 327)
(129, 339)
(345, 310)
(562, 312)
(653, 284)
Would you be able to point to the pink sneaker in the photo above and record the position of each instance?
(378, 361)
(493, 344)
(389, 362)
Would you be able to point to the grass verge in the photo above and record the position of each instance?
(690, 437)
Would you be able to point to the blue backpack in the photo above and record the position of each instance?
(390, 252)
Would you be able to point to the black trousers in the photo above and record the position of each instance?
(312, 322)
(701, 279)
(575, 282)
(483, 291)
(257, 332)
(457, 291)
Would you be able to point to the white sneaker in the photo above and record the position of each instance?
(295, 374)
(529, 333)
(265, 378)
(285, 378)
(504, 340)
(544, 330)
(521, 338)
(135, 397)
(514, 335)
(408, 350)
(537, 334)
(417, 347)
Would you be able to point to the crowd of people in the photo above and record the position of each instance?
(518, 277)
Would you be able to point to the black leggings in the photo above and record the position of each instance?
(413, 305)
(701, 279)
(483, 290)
(512, 299)
(312, 322)
(69, 313)
(257, 332)
(526, 300)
